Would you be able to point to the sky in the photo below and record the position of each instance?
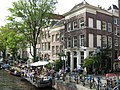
(61, 7)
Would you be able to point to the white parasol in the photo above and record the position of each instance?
(39, 63)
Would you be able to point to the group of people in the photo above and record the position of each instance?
(36, 73)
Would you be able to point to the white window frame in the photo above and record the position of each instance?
(98, 24)
(81, 23)
(75, 41)
(104, 41)
(109, 27)
(68, 42)
(116, 30)
(69, 26)
(110, 42)
(116, 41)
(90, 22)
(82, 38)
(104, 25)
(75, 24)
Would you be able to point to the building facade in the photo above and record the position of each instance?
(88, 27)
(82, 31)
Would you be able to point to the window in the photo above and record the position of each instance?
(57, 49)
(116, 41)
(53, 50)
(109, 27)
(99, 24)
(74, 24)
(68, 26)
(53, 38)
(48, 34)
(69, 42)
(75, 41)
(116, 21)
(38, 40)
(81, 40)
(82, 57)
(48, 45)
(91, 41)
(104, 39)
(110, 42)
(62, 37)
(43, 46)
(57, 37)
(90, 22)
(116, 30)
(61, 48)
(103, 25)
(81, 23)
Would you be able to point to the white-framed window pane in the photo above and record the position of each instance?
(68, 42)
(57, 49)
(81, 40)
(99, 24)
(57, 37)
(68, 26)
(90, 22)
(104, 25)
(75, 41)
(53, 50)
(82, 57)
(98, 40)
(116, 30)
(116, 21)
(91, 40)
(81, 22)
(104, 39)
(110, 42)
(53, 38)
(75, 24)
(116, 41)
(109, 27)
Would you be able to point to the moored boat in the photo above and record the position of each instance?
(39, 83)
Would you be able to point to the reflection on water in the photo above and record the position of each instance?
(9, 82)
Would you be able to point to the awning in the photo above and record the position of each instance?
(39, 63)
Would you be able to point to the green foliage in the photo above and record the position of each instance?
(89, 61)
(58, 65)
(11, 40)
(30, 17)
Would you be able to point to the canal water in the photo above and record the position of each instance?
(10, 82)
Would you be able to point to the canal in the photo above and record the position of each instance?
(10, 82)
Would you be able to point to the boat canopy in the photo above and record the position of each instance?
(39, 63)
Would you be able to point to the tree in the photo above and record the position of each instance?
(30, 17)
(3, 41)
(11, 40)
